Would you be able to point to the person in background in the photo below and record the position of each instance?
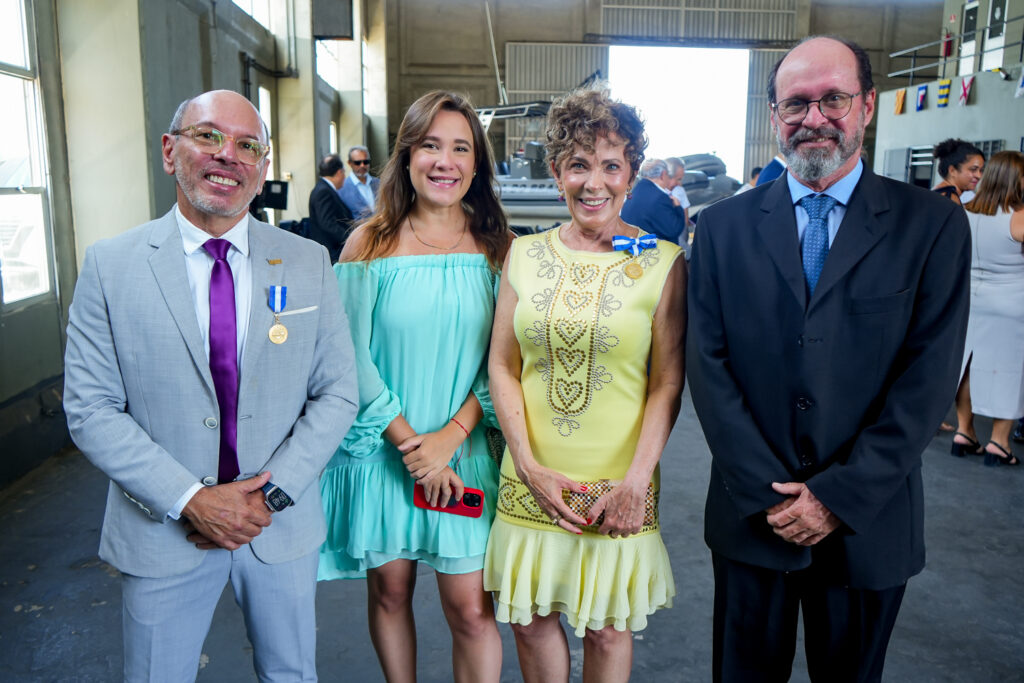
(330, 221)
(418, 278)
(960, 167)
(677, 170)
(360, 189)
(775, 168)
(203, 347)
(586, 371)
(827, 318)
(750, 184)
(992, 381)
(651, 207)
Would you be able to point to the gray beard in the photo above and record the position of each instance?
(815, 164)
(196, 199)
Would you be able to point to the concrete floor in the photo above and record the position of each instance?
(962, 619)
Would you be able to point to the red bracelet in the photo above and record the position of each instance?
(461, 427)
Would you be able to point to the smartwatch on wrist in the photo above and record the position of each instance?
(276, 498)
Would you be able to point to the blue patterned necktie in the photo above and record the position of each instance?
(815, 247)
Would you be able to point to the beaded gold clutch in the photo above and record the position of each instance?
(580, 502)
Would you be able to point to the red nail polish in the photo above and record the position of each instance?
(584, 489)
(588, 521)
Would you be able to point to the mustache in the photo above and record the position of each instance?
(806, 134)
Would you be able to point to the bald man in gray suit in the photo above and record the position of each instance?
(209, 374)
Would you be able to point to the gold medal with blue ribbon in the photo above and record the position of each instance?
(634, 245)
(277, 300)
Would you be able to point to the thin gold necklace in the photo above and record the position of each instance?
(434, 246)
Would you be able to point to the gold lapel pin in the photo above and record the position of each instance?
(274, 261)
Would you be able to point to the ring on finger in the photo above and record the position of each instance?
(556, 519)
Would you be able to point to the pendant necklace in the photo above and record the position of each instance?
(434, 246)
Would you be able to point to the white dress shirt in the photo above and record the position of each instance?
(199, 266)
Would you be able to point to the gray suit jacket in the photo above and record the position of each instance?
(141, 404)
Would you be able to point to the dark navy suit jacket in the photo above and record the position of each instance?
(651, 209)
(330, 221)
(842, 391)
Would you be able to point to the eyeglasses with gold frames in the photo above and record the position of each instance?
(248, 150)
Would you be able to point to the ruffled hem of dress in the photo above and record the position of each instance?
(594, 580)
(371, 520)
(365, 438)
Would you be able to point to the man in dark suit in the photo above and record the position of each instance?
(330, 221)
(827, 316)
(651, 207)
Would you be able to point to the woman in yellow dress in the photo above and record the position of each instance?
(586, 372)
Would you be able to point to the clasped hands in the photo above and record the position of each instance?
(801, 518)
(227, 515)
(623, 506)
(426, 457)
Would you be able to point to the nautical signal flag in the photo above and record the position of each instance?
(922, 95)
(944, 92)
(901, 95)
(965, 89)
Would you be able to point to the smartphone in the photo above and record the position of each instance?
(471, 505)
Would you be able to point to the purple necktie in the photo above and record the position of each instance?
(224, 356)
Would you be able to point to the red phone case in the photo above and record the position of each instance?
(471, 505)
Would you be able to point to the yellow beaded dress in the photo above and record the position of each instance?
(583, 322)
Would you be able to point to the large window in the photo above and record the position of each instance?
(24, 237)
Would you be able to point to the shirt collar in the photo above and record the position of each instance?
(839, 190)
(193, 238)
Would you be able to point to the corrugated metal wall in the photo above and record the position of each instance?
(543, 71)
(762, 20)
(760, 145)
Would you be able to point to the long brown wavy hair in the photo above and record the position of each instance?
(1000, 185)
(396, 197)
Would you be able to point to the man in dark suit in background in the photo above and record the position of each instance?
(827, 316)
(330, 221)
(650, 206)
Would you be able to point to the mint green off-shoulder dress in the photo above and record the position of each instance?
(420, 327)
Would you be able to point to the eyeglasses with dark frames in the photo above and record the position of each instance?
(833, 107)
(359, 162)
(248, 150)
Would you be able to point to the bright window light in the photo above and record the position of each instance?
(693, 100)
(257, 9)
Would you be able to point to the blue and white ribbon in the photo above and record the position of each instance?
(278, 298)
(634, 244)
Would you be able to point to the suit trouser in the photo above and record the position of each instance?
(166, 620)
(846, 631)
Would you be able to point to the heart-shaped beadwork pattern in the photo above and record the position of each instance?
(583, 273)
(571, 360)
(570, 330)
(576, 300)
(568, 392)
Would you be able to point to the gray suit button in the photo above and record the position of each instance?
(209, 481)
(210, 422)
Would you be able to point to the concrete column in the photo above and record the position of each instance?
(107, 136)
(296, 104)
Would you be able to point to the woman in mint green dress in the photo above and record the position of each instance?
(418, 283)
